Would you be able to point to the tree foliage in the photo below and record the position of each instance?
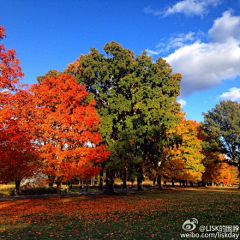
(10, 70)
(184, 158)
(19, 157)
(223, 122)
(136, 100)
(66, 129)
(17, 153)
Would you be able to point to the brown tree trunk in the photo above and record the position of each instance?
(154, 181)
(58, 189)
(109, 184)
(101, 180)
(50, 181)
(173, 185)
(17, 187)
(159, 181)
(139, 179)
(124, 179)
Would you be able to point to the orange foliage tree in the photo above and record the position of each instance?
(17, 152)
(184, 158)
(10, 70)
(220, 173)
(217, 168)
(66, 128)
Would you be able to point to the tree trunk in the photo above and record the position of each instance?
(58, 189)
(17, 187)
(139, 184)
(50, 181)
(139, 179)
(154, 181)
(109, 184)
(173, 185)
(124, 179)
(101, 180)
(159, 181)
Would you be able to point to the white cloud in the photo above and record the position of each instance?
(181, 40)
(232, 94)
(187, 7)
(226, 28)
(152, 52)
(149, 10)
(204, 65)
(173, 43)
(182, 102)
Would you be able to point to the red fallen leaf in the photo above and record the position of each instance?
(58, 229)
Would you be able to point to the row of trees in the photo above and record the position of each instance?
(53, 127)
(50, 128)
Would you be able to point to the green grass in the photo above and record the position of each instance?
(152, 214)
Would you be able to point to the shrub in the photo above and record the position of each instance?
(33, 191)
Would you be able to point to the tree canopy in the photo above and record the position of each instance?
(66, 129)
(136, 100)
(223, 122)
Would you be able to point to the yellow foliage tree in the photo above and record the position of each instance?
(184, 158)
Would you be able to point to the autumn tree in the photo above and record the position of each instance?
(19, 157)
(10, 70)
(219, 172)
(16, 150)
(66, 129)
(184, 157)
(136, 99)
(223, 122)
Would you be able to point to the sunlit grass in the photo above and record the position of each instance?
(151, 214)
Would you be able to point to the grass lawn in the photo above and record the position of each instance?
(152, 214)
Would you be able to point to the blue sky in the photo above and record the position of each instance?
(199, 38)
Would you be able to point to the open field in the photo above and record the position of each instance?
(152, 214)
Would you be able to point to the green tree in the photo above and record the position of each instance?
(223, 122)
(136, 100)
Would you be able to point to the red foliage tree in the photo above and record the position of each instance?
(10, 70)
(17, 152)
(66, 128)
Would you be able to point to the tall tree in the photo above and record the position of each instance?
(66, 129)
(16, 150)
(136, 99)
(223, 122)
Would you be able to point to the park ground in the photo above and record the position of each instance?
(150, 214)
